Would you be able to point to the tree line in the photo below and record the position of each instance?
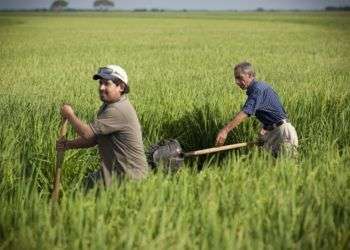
(104, 5)
(59, 5)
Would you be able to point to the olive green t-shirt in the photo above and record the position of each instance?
(119, 140)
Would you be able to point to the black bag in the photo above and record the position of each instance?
(167, 154)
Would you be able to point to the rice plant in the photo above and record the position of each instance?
(180, 71)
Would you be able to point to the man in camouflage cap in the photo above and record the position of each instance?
(116, 130)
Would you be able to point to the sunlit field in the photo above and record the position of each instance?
(180, 72)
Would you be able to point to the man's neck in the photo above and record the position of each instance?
(251, 82)
(250, 85)
(122, 97)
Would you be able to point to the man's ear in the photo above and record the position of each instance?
(122, 87)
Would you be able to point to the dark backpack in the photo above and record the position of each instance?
(167, 154)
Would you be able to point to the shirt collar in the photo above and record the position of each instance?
(251, 87)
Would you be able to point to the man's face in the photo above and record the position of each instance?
(109, 91)
(243, 80)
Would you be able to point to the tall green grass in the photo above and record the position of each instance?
(180, 70)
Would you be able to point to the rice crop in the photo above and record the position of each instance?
(180, 71)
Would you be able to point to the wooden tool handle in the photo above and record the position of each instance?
(59, 162)
(217, 149)
(63, 130)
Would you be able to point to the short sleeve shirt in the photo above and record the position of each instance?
(263, 102)
(119, 139)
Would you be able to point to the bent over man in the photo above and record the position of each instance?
(277, 133)
(116, 130)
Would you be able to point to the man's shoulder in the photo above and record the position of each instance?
(110, 110)
(123, 108)
(257, 88)
(261, 85)
(120, 105)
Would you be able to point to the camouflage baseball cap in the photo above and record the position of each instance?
(111, 72)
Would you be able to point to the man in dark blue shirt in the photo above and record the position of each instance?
(277, 133)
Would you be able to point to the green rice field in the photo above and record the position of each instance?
(180, 71)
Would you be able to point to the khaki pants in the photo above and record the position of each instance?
(283, 139)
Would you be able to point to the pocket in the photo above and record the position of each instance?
(289, 134)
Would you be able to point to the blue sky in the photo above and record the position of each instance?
(184, 4)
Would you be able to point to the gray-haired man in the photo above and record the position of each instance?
(277, 133)
(116, 130)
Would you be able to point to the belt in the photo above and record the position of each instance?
(275, 125)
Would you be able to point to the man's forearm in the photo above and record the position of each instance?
(83, 129)
(81, 143)
(240, 117)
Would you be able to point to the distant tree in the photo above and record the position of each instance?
(156, 10)
(260, 9)
(140, 10)
(58, 5)
(103, 4)
(341, 8)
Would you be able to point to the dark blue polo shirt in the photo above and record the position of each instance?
(263, 102)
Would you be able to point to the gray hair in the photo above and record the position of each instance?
(244, 68)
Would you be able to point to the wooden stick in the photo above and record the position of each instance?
(59, 162)
(217, 149)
